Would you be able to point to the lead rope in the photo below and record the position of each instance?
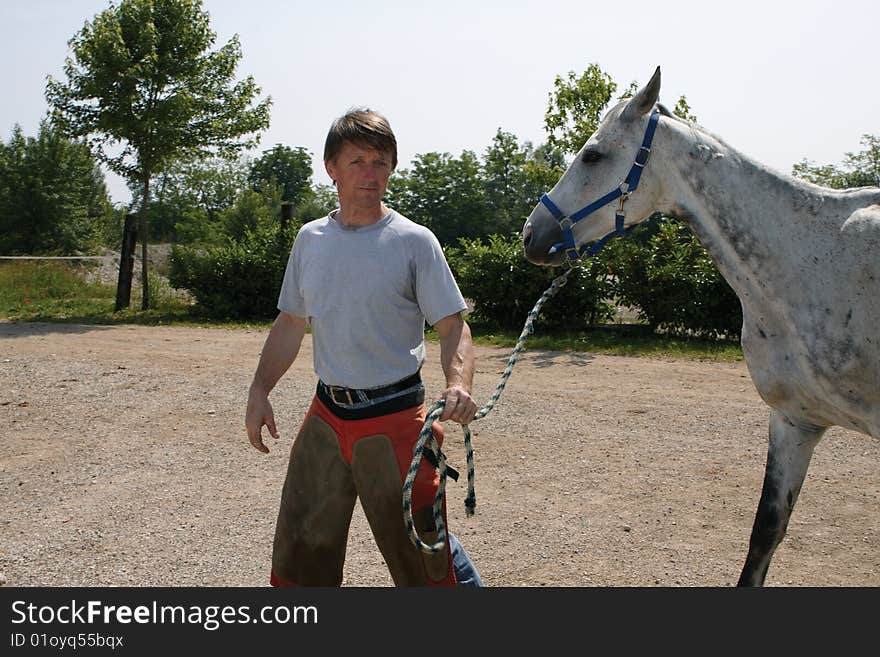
(426, 438)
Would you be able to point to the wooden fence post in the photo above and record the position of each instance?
(126, 261)
(286, 215)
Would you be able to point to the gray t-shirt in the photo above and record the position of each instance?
(367, 292)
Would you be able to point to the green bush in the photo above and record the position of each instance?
(240, 279)
(664, 272)
(504, 287)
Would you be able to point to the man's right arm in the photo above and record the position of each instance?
(280, 350)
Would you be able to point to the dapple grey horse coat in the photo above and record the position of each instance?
(803, 260)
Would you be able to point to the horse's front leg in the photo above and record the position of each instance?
(788, 457)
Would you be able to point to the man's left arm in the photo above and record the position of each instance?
(457, 360)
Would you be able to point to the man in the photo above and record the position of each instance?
(365, 279)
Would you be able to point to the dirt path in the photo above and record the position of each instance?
(123, 461)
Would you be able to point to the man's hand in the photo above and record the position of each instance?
(279, 352)
(457, 361)
(259, 412)
(460, 406)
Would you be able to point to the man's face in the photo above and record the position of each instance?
(361, 175)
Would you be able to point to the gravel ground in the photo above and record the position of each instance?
(124, 461)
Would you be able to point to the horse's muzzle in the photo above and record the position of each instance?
(539, 234)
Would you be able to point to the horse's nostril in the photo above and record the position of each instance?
(527, 236)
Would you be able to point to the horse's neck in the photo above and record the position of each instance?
(756, 223)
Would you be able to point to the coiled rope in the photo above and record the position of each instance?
(427, 440)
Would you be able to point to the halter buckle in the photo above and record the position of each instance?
(642, 157)
(568, 265)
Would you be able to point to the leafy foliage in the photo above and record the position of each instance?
(575, 107)
(238, 273)
(282, 165)
(240, 279)
(207, 201)
(252, 211)
(320, 200)
(666, 274)
(145, 90)
(858, 169)
(444, 193)
(191, 195)
(53, 199)
(544, 167)
(683, 110)
(511, 188)
(470, 197)
(142, 77)
(504, 287)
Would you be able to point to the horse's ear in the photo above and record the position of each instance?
(645, 98)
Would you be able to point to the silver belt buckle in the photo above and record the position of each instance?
(333, 390)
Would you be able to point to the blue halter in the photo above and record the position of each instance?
(622, 192)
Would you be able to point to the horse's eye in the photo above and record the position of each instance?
(589, 156)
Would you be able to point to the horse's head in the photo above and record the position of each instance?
(584, 206)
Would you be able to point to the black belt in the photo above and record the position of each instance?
(343, 396)
(339, 401)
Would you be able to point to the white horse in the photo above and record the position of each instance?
(803, 260)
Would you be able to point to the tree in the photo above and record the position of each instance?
(252, 211)
(577, 103)
(53, 198)
(465, 197)
(211, 200)
(683, 110)
(142, 78)
(576, 106)
(289, 167)
(444, 193)
(511, 192)
(319, 201)
(545, 167)
(191, 195)
(858, 170)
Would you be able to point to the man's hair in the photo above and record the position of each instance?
(364, 127)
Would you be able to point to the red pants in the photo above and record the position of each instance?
(332, 463)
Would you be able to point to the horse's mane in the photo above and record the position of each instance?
(783, 176)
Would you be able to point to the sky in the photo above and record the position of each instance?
(778, 81)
